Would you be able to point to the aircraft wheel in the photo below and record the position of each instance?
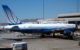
(42, 36)
(70, 37)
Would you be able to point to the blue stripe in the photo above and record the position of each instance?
(14, 23)
(35, 30)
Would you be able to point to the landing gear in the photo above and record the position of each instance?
(70, 37)
(42, 36)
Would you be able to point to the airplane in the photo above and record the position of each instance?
(17, 26)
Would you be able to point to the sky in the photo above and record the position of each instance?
(32, 9)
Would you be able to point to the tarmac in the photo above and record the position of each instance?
(37, 43)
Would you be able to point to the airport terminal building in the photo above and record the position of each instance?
(71, 18)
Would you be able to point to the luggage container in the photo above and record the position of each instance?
(19, 46)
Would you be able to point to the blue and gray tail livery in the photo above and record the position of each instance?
(12, 19)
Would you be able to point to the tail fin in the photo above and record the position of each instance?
(12, 19)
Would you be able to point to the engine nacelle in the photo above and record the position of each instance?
(67, 32)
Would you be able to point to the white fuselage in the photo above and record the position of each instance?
(41, 26)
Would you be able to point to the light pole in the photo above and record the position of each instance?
(43, 11)
(77, 4)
